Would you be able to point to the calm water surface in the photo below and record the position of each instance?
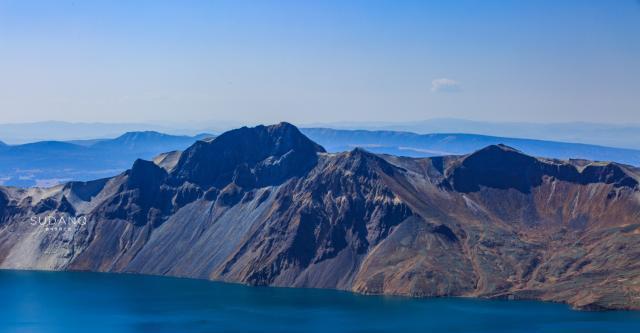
(90, 302)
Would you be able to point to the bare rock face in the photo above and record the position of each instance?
(267, 206)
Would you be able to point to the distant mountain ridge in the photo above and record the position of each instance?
(611, 135)
(19, 133)
(425, 145)
(268, 206)
(49, 162)
(45, 163)
(603, 134)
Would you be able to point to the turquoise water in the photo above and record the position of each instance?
(90, 302)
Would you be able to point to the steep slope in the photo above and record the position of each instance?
(267, 206)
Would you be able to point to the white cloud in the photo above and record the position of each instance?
(445, 85)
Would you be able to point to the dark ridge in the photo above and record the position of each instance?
(86, 190)
(438, 163)
(141, 199)
(362, 162)
(145, 174)
(502, 167)
(44, 205)
(610, 173)
(496, 166)
(64, 206)
(250, 157)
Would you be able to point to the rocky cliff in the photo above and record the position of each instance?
(267, 206)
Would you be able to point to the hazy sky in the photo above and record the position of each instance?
(319, 61)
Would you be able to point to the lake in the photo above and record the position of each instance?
(92, 302)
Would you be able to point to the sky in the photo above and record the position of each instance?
(196, 62)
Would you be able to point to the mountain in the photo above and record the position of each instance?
(147, 143)
(424, 145)
(50, 162)
(602, 134)
(19, 133)
(268, 206)
(46, 163)
(614, 135)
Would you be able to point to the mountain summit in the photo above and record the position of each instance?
(250, 157)
(502, 167)
(268, 206)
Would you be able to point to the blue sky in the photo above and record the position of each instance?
(319, 61)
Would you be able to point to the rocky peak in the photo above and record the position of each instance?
(498, 156)
(495, 166)
(250, 157)
(608, 173)
(360, 162)
(502, 167)
(145, 174)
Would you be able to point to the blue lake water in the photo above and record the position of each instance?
(90, 302)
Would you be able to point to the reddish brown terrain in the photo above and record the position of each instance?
(267, 206)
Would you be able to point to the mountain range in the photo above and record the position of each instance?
(437, 144)
(48, 163)
(20, 133)
(602, 134)
(269, 206)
